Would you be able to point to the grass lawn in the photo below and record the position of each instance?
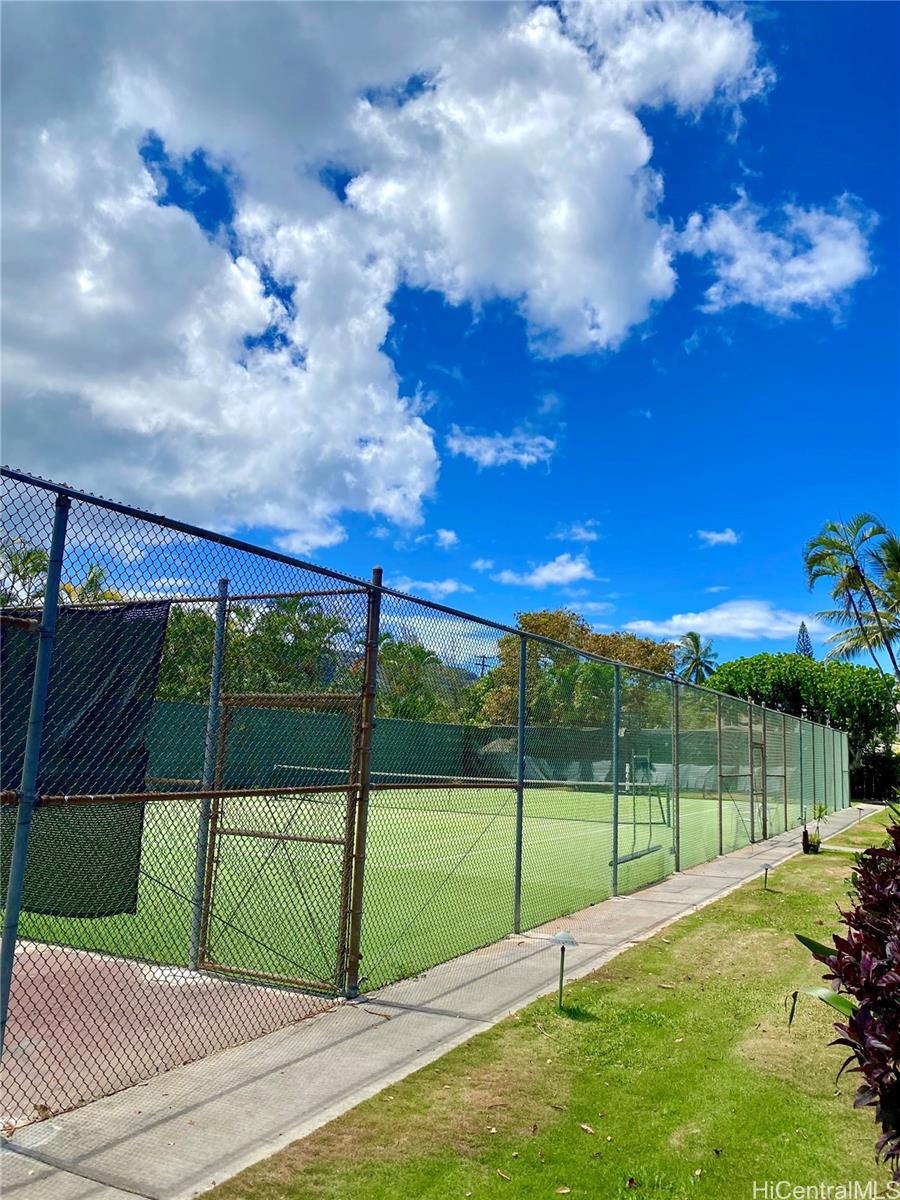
(671, 1073)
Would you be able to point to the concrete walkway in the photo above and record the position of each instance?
(182, 1132)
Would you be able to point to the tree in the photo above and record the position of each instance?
(92, 588)
(561, 688)
(845, 552)
(858, 699)
(636, 651)
(885, 586)
(23, 572)
(804, 643)
(410, 679)
(695, 660)
(287, 646)
(186, 666)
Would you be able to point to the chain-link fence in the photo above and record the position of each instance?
(238, 788)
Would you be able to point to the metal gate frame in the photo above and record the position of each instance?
(760, 794)
(350, 703)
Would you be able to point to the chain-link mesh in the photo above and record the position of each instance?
(735, 769)
(698, 776)
(263, 786)
(775, 754)
(794, 769)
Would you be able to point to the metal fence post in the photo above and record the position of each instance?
(719, 769)
(31, 758)
(750, 779)
(520, 787)
(824, 769)
(616, 722)
(366, 725)
(209, 768)
(784, 766)
(800, 782)
(676, 782)
(765, 775)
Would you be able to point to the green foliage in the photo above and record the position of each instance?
(857, 699)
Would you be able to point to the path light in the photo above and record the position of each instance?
(562, 939)
(767, 867)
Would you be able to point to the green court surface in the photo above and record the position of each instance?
(439, 877)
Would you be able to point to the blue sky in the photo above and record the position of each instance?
(756, 421)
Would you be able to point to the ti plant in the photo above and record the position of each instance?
(864, 976)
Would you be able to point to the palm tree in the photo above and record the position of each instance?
(866, 633)
(23, 569)
(92, 588)
(845, 552)
(695, 660)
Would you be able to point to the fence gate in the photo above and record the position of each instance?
(279, 861)
(758, 788)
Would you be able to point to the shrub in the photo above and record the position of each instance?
(864, 973)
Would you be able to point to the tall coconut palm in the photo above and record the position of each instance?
(695, 660)
(866, 633)
(844, 552)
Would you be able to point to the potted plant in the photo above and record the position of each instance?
(812, 841)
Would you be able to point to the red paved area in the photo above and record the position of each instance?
(83, 1025)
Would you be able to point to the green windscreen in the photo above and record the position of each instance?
(83, 860)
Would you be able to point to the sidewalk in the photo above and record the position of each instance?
(182, 1132)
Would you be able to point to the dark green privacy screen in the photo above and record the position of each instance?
(83, 861)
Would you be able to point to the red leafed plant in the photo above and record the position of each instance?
(864, 974)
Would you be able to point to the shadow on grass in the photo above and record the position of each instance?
(577, 1012)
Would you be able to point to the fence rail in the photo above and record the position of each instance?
(230, 770)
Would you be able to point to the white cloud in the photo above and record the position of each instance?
(578, 531)
(595, 606)
(436, 589)
(127, 327)
(498, 449)
(643, 412)
(749, 619)
(717, 587)
(720, 537)
(565, 568)
(483, 564)
(446, 539)
(797, 258)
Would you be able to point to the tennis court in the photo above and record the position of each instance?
(439, 875)
(260, 786)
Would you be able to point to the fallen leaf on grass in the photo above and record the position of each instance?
(587, 1128)
(563, 1191)
(632, 1182)
(668, 986)
(503, 1174)
(699, 1172)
